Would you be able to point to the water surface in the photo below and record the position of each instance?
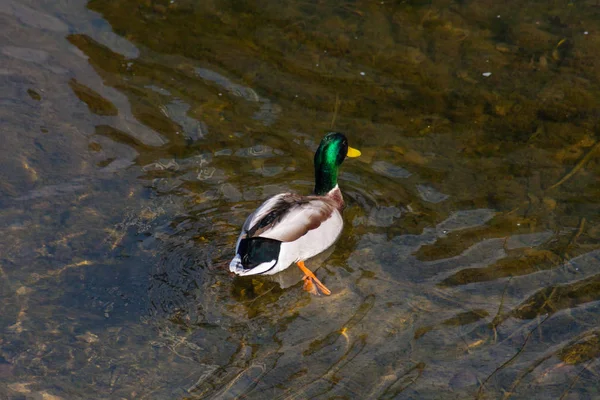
(139, 134)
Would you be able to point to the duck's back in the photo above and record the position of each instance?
(287, 228)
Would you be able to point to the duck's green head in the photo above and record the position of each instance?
(329, 156)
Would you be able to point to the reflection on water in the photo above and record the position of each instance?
(138, 135)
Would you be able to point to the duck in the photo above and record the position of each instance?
(289, 228)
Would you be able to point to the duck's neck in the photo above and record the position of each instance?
(325, 177)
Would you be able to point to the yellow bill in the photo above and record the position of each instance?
(352, 152)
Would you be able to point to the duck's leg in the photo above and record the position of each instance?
(310, 281)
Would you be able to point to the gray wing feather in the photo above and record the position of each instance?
(288, 217)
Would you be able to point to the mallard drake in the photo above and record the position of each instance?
(289, 228)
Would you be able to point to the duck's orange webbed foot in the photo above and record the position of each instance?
(311, 283)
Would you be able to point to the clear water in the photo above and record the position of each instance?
(137, 136)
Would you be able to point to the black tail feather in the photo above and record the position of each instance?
(257, 250)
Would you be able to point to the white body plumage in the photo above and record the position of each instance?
(305, 226)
